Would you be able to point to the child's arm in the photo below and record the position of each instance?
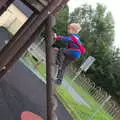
(63, 38)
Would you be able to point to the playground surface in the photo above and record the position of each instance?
(21, 90)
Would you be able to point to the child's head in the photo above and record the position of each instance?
(74, 28)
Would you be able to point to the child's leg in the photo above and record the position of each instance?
(60, 58)
(61, 71)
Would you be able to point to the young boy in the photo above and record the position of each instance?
(71, 53)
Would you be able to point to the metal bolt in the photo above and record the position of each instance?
(49, 12)
(4, 68)
(6, 41)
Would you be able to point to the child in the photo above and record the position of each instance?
(71, 53)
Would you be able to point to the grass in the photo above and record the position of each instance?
(83, 93)
(40, 67)
(87, 97)
(77, 110)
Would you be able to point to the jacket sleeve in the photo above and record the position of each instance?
(63, 38)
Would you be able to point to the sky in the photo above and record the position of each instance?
(112, 5)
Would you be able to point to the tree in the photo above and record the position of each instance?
(62, 21)
(98, 36)
(97, 25)
(61, 26)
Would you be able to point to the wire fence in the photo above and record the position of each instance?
(100, 96)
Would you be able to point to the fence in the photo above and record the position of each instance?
(100, 96)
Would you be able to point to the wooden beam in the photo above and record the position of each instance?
(43, 2)
(22, 50)
(37, 5)
(13, 48)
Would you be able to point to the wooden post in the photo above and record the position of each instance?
(50, 66)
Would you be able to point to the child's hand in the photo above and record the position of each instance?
(55, 35)
(56, 49)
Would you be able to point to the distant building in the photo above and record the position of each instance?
(12, 20)
(15, 16)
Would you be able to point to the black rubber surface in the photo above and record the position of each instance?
(21, 90)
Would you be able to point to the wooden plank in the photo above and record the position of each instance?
(4, 5)
(22, 39)
(37, 4)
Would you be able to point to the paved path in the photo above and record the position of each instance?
(21, 90)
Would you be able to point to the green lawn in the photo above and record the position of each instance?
(83, 93)
(77, 110)
(41, 67)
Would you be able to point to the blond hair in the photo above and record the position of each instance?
(76, 27)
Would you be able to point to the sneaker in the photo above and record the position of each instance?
(58, 81)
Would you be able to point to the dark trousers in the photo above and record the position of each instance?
(64, 58)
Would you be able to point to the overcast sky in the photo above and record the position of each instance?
(112, 5)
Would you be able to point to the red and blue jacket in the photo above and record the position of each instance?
(75, 46)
